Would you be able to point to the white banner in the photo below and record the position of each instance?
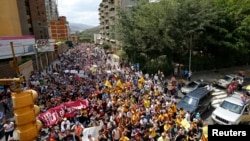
(23, 45)
(45, 45)
(94, 131)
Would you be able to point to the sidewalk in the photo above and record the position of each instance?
(212, 75)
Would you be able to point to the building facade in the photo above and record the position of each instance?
(27, 17)
(51, 10)
(107, 17)
(16, 20)
(59, 29)
(39, 19)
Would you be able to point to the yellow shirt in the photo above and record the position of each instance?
(160, 117)
(146, 103)
(124, 138)
(135, 118)
(174, 108)
(182, 113)
(166, 117)
(170, 112)
(194, 125)
(156, 92)
(178, 121)
(152, 132)
(166, 127)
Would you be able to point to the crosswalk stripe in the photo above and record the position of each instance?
(218, 93)
(220, 96)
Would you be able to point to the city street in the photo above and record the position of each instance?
(219, 93)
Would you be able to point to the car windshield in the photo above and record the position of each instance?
(231, 107)
(190, 101)
(192, 85)
(227, 78)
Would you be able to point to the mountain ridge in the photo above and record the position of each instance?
(74, 27)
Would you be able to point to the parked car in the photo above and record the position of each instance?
(227, 80)
(193, 85)
(232, 111)
(198, 100)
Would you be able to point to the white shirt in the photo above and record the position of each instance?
(8, 127)
(67, 125)
(187, 116)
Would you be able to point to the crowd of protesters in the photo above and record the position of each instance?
(131, 105)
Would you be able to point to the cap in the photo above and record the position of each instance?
(64, 118)
(163, 134)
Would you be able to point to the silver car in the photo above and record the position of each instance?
(227, 79)
(193, 85)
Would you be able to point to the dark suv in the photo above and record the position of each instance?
(195, 101)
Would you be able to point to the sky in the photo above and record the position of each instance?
(80, 11)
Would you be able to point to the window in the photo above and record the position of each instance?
(231, 107)
(192, 85)
(227, 78)
(190, 101)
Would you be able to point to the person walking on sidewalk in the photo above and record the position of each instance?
(8, 129)
(189, 75)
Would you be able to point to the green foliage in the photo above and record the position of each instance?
(87, 35)
(106, 46)
(217, 32)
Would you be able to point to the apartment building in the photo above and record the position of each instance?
(27, 17)
(15, 19)
(59, 29)
(107, 17)
(39, 19)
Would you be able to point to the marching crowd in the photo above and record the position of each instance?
(130, 105)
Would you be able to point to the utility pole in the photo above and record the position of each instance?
(14, 59)
(35, 50)
(190, 53)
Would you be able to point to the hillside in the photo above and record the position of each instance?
(93, 29)
(78, 27)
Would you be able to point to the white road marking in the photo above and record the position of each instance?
(218, 97)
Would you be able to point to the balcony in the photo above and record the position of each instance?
(111, 8)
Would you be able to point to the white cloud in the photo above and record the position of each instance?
(80, 11)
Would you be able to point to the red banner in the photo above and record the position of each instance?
(53, 115)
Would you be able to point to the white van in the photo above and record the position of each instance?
(232, 111)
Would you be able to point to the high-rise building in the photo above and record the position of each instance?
(107, 17)
(27, 17)
(39, 19)
(15, 19)
(51, 10)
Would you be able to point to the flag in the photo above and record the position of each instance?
(107, 84)
(119, 84)
(140, 86)
(141, 80)
(205, 131)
